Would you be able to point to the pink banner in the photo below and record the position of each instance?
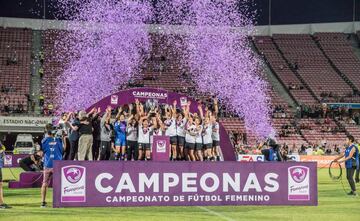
(161, 148)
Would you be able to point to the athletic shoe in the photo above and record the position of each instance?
(5, 206)
(43, 205)
(351, 193)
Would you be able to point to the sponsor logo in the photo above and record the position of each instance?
(183, 101)
(8, 160)
(298, 183)
(295, 158)
(73, 184)
(161, 146)
(251, 158)
(146, 94)
(114, 99)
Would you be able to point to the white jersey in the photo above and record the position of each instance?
(207, 134)
(171, 127)
(190, 134)
(198, 138)
(131, 133)
(215, 132)
(180, 129)
(144, 134)
(155, 132)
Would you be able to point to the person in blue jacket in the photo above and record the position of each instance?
(52, 148)
(351, 159)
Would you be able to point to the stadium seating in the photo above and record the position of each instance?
(15, 71)
(316, 131)
(337, 47)
(52, 68)
(302, 50)
(162, 70)
(268, 50)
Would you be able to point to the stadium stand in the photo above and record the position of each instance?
(292, 58)
(306, 59)
(15, 61)
(272, 56)
(337, 47)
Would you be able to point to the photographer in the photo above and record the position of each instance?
(272, 151)
(52, 147)
(32, 162)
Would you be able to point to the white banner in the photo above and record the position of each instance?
(250, 158)
(256, 158)
(24, 121)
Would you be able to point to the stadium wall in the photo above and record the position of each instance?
(310, 28)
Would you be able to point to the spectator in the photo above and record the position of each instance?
(86, 138)
(53, 149)
(2, 156)
(41, 100)
(41, 72)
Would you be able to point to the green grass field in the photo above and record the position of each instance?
(333, 205)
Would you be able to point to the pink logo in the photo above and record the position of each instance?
(161, 143)
(299, 173)
(73, 174)
(8, 157)
(161, 146)
(114, 99)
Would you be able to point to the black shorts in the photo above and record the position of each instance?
(190, 146)
(144, 146)
(208, 146)
(181, 141)
(216, 143)
(173, 140)
(198, 146)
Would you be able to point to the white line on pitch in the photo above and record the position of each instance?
(216, 213)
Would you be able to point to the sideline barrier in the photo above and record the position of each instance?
(12, 160)
(261, 158)
(111, 184)
(322, 161)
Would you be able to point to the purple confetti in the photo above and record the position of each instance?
(220, 58)
(110, 48)
(105, 48)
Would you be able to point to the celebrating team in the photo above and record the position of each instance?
(193, 136)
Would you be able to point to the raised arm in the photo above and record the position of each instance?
(201, 111)
(173, 109)
(119, 112)
(216, 107)
(91, 112)
(162, 125)
(187, 110)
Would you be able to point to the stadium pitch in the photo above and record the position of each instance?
(334, 204)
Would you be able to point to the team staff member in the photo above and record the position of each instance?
(32, 162)
(351, 159)
(53, 149)
(105, 135)
(2, 156)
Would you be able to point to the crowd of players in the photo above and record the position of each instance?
(96, 136)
